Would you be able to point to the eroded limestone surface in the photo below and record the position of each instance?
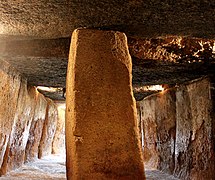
(102, 139)
(158, 123)
(35, 133)
(178, 130)
(23, 111)
(58, 145)
(9, 90)
(139, 18)
(14, 157)
(49, 128)
(194, 149)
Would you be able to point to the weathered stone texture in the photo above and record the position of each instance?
(9, 89)
(36, 128)
(44, 61)
(49, 128)
(102, 139)
(58, 145)
(194, 151)
(150, 153)
(22, 114)
(171, 49)
(178, 128)
(20, 130)
(158, 119)
(165, 115)
(135, 17)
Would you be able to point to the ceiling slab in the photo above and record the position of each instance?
(58, 18)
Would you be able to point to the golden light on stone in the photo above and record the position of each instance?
(149, 88)
(49, 89)
(62, 106)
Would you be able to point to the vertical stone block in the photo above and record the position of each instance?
(15, 153)
(49, 128)
(9, 90)
(158, 118)
(36, 129)
(58, 145)
(102, 140)
(150, 133)
(194, 149)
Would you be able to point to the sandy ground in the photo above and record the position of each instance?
(48, 168)
(53, 167)
(158, 175)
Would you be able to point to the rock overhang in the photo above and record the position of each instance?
(55, 19)
(37, 35)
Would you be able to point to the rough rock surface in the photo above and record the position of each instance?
(9, 90)
(26, 102)
(56, 18)
(194, 148)
(102, 140)
(49, 23)
(58, 145)
(172, 49)
(35, 133)
(42, 61)
(163, 60)
(179, 129)
(158, 122)
(49, 128)
(22, 114)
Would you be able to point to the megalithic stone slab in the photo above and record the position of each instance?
(102, 140)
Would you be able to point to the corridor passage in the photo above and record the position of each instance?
(53, 168)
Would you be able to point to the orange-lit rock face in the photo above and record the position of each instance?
(194, 153)
(36, 128)
(102, 140)
(20, 131)
(58, 145)
(49, 128)
(22, 115)
(9, 89)
(174, 49)
(178, 130)
(158, 122)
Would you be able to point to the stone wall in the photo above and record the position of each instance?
(49, 128)
(35, 133)
(178, 130)
(14, 157)
(24, 115)
(194, 153)
(158, 123)
(58, 145)
(9, 90)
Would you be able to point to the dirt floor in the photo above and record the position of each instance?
(53, 167)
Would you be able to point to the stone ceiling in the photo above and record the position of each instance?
(144, 18)
(35, 35)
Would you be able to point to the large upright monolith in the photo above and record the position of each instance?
(102, 140)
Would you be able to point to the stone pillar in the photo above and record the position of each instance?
(102, 140)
